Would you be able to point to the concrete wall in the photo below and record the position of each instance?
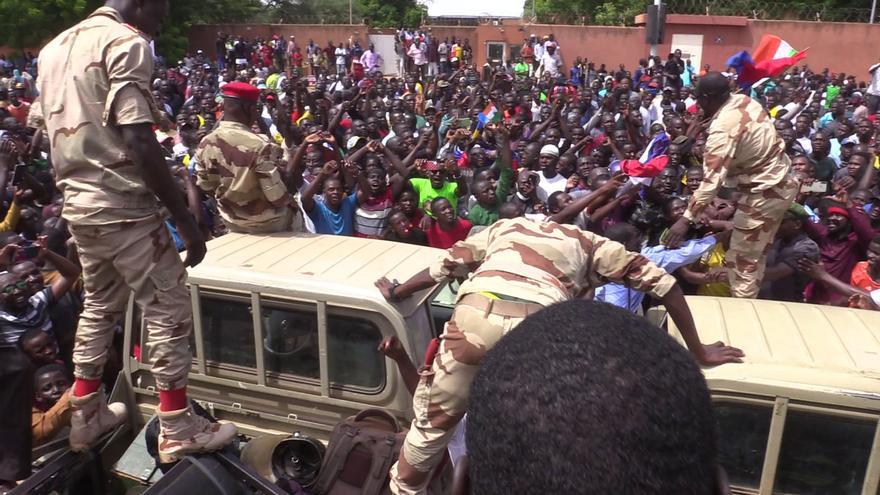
(842, 47)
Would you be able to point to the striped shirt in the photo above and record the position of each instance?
(12, 327)
(545, 263)
(371, 216)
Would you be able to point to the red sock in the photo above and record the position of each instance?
(82, 388)
(172, 400)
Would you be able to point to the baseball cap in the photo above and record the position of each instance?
(353, 141)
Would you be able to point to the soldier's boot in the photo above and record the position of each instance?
(91, 418)
(183, 432)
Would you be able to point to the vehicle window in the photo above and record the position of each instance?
(825, 455)
(742, 442)
(290, 341)
(353, 358)
(228, 331)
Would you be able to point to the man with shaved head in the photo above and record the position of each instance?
(742, 151)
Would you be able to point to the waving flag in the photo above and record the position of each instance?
(489, 114)
(772, 48)
(750, 70)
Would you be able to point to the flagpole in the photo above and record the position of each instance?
(873, 11)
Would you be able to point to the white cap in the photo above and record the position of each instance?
(875, 296)
(550, 150)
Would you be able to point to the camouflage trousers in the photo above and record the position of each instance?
(121, 258)
(757, 218)
(440, 401)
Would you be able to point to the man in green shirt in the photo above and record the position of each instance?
(437, 185)
(521, 69)
(485, 212)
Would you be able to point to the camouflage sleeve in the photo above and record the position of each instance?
(462, 258)
(129, 63)
(612, 261)
(719, 151)
(207, 180)
(271, 183)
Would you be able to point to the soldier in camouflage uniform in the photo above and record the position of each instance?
(99, 112)
(742, 151)
(514, 268)
(241, 168)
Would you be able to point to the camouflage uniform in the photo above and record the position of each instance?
(94, 77)
(241, 169)
(744, 151)
(515, 268)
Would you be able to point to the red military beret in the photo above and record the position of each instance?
(242, 91)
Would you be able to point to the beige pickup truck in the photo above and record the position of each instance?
(800, 415)
(286, 331)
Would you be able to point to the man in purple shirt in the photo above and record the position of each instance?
(843, 239)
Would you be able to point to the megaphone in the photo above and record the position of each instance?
(293, 457)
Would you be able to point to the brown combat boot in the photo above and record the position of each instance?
(183, 432)
(91, 418)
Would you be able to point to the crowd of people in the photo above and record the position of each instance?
(437, 154)
(273, 137)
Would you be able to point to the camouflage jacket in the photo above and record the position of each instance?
(743, 151)
(546, 263)
(94, 77)
(240, 168)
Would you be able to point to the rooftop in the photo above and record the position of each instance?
(792, 345)
(288, 264)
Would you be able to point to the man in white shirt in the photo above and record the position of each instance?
(874, 88)
(551, 62)
(549, 180)
(341, 53)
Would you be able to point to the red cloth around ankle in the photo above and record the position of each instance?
(82, 388)
(172, 400)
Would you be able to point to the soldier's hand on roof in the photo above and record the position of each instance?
(386, 287)
(718, 353)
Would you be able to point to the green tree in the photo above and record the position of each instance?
(376, 13)
(30, 23)
(603, 12)
(173, 40)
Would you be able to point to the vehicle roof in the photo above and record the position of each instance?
(793, 345)
(339, 266)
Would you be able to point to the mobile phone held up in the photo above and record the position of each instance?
(18, 174)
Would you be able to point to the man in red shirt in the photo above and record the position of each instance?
(446, 229)
(843, 238)
(866, 274)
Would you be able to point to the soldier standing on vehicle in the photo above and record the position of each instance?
(95, 88)
(743, 150)
(515, 268)
(240, 168)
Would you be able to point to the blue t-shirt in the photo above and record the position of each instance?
(339, 223)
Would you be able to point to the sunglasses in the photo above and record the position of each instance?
(9, 289)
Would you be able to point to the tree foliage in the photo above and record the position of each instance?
(30, 23)
(604, 12)
(174, 37)
(375, 13)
